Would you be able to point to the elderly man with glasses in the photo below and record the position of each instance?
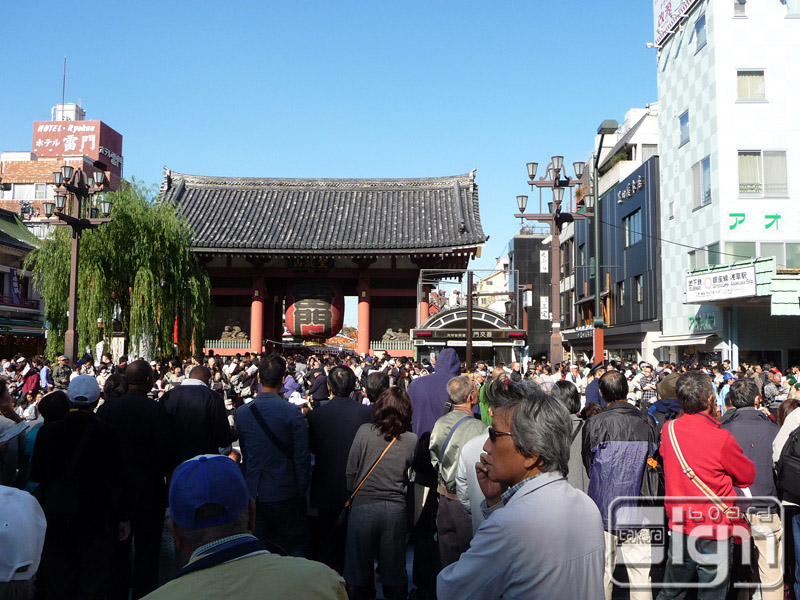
(542, 537)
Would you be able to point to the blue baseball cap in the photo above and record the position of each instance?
(207, 479)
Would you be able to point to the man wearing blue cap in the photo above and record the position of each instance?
(211, 517)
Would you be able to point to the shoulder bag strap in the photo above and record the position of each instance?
(577, 430)
(353, 495)
(450, 435)
(701, 485)
(272, 437)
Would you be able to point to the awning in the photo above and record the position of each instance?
(683, 340)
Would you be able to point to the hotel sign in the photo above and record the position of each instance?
(667, 13)
(721, 285)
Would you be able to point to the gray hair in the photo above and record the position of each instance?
(540, 424)
(459, 388)
(195, 538)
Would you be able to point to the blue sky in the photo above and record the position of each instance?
(336, 89)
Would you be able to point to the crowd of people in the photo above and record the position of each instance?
(278, 475)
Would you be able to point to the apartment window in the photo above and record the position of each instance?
(649, 151)
(750, 85)
(763, 173)
(714, 256)
(683, 121)
(637, 284)
(582, 255)
(621, 293)
(792, 256)
(24, 191)
(739, 8)
(701, 183)
(698, 259)
(632, 226)
(700, 35)
(736, 251)
(40, 191)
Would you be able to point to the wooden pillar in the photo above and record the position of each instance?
(424, 305)
(257, 315)
(362, 344)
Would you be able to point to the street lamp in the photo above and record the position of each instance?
(80, 187)
(607, 127)
(554, 178)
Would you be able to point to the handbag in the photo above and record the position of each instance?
(732, 512)
(341, 521)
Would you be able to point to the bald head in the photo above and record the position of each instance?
(139, 375)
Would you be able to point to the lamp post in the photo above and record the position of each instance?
(74, 187)
(607, 127)
(556, 218)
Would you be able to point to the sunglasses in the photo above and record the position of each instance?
(494, 434)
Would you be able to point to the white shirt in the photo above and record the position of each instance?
(467, 487)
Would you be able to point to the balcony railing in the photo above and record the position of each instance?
(23, 302)
(399, 345)
(228, 344)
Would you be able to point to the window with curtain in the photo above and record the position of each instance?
(750, 85)
(701, 183)
(739, 8)
(700, 35)
(750, 181)
(775, 183)
(683, 122)
(649, 151)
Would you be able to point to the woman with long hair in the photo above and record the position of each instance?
(377, 526)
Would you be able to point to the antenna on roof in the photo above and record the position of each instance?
(64, 84)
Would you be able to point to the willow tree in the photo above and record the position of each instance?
(137, 270)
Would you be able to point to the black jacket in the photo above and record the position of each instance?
(103, 498)
(620, 422)
(143, 433)
(755, 432)
(198, 421)
(331, 431)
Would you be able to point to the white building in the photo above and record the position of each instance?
(728, 89)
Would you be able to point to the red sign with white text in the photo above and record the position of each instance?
(56, 139)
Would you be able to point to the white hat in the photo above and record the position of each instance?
(84, 389)
(22, 527)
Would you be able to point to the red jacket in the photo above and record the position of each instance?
(717, 459)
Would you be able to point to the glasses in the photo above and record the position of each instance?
(494, 434)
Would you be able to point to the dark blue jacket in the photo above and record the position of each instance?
(272, 476)
(593, 393)
(331, 430)
(616, 446)
(755, 432)
(429, 394)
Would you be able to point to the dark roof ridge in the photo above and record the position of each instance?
(220, 181)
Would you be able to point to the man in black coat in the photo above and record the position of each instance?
(78, 465)
(755, 432)
(197, 417)
(331, 430)
(143, 433)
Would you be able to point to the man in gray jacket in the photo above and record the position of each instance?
(522, 475)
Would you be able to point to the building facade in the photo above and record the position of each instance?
(530, 259)
(67, 139)
(727, 88)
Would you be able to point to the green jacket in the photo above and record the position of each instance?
(61, 375)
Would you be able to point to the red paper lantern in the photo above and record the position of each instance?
(314, 309)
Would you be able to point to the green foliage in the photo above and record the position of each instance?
(137, 269)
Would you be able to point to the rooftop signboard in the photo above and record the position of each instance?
(667, 13)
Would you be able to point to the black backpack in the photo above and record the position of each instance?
(789, 467)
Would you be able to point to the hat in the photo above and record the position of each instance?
(728, 376)
(83, 390)
(666, 387)
(368, 359)
(60, 358)
(391, 362)
(596, 367)
(22, 527)
(207, 479)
